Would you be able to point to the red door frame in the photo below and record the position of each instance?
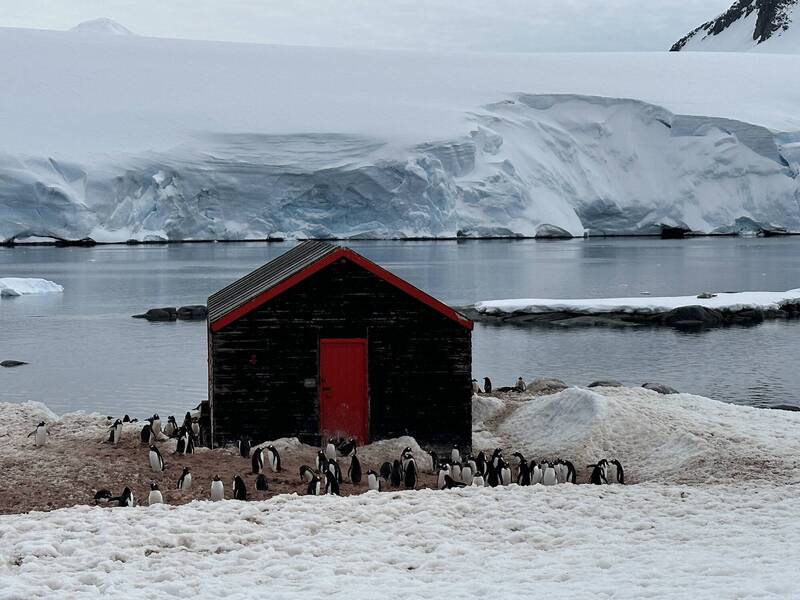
(363, 434)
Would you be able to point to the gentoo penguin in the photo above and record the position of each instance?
(444, 471)
(487, 385)
(156, 424)
(478, 480)
(349, 447)
(520, 386)
(561, 470)
(354, 471)
(274, 459)
(180, 447)
(386, 470)
(102, 496)
(476, 389)
(187, 421)
(603, 464)
(455, 471)
(126, 498)
(455, 455)
(372, 481)
(115, 433)
(155, 496)
(330, 450)
(335, 470)
(126, 419)
(493, 476)
(314, 487)
(505, 473)
(410, 475)
(450, 483)
(196, 429)
(331, 485)
(244, 448)
(397, 473)
(480, 463)
(185, 480)
(322, 462)
(261, 483)
(156, 461)
(189, 447)
(171, 428)
(466, 474)
(536, 473)
(405, 457)
(40, 434)
(549, 475)
(570, 471)
(257, 461)
(597, 477)
(217, 489)
(239, 488)
(497, 457)
(147, 436)
(306, 473)
(523, 474)
(619, 475)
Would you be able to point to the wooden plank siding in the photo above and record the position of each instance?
(419, 362)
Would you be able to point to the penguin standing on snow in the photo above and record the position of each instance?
(257, 461)
(185, 480)
(331, 484)
(505, 473)
(217, 489)
(39, 434)
(493, 476)
(570, 472)
(549, 475)
(306, 473)
(156, 460)
(619, 474)
(274, 459)
(466, 474)
(239, 488)
(354, 471)
(561, 471)
(480, 463)
(314, 487)
(478, 481)
(335, 470)
(597, 477)
(155, 496)
(523, 474)
(397, 474)
(372, 481)
(115, 433)
(444, 471)
(603, 464)
(487, 385)
(536, 473)
(410, 475)
(261, 483)
(330, 450)
(244, 448)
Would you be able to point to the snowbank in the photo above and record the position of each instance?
(21, 286)
(677, 438)
(563, 542)
(641, 305)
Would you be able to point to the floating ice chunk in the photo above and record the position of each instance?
(23, 286)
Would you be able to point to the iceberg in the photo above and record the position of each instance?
(21, 286)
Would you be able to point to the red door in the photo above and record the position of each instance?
(343, 403)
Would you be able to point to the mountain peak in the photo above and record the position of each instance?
(746, 25)
(102, 26)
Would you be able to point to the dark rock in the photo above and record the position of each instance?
(789, 407)
(605, 383)
(660, 388)
(169, 313)
(673, 233)
(693, 316)
(593, 321)
(544, 386)
(86, 242)
(193, 312)
(12, 363)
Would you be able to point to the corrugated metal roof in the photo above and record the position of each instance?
(264, 278)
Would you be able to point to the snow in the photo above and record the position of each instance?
(734, 301)
(101, 26)
(23, 286)
(233, 144)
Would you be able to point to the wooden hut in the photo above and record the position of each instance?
(323, 342)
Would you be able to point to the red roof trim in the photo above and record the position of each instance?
(353, 257)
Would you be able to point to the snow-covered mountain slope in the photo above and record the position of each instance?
(101, 26)
(766, 25)
(119, 137)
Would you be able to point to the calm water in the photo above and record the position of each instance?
(87, 353)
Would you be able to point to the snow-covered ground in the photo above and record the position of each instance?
(248, 141)
(22, 286)
(734, 301)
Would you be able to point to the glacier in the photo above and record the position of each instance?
(122, 138)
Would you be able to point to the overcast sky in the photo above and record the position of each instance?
(454, 25)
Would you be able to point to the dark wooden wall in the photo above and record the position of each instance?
(419, 362)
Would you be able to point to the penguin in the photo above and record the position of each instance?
(126, 498)
(405, 457)
(493, 477)
(196, 429)
(155, 496)
(147, 434)
(126, 419)
(603, 464)
(455, 471)
(450, 483)
(306, 473)
(561, 471)
(257, 461)
(536, 473)
(274, 459)
(620, 473)
(476, 389)
(480, 463)
(156, 424)
(466, 474)
(335, 470)
(487, 385)
(354, 471)
(171, 428)
(156, 460)
(349, 447)
(244, 448)
(102, 496)
(549, 475)
(115, 433)
(410, 475)
(322, 462)
(314, 486)
(455, 455)
(330, 450)
(217, 489)
(180, 447)
(261, 483)
(397, 474)
(434, 461)
(570, 471)
(497, 457)
(597, 477)
(518, 456)
(505, 473)
(239, 488)
(187, 421)
(444, 471)
(331, 484)
(523, 474)
(40, 434)
(185, 480)
(478, 481)
(386, 470)
(372, 481)
(189, 447)
(520, 386)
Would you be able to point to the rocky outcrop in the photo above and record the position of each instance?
(660, 388)
(605, 383)
(192, 312)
